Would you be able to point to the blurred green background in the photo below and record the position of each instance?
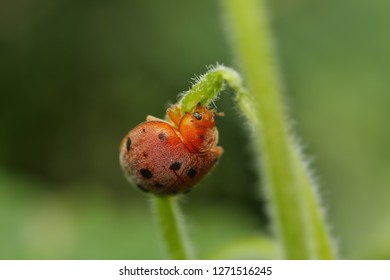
(77, 75)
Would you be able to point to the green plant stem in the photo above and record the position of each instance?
(171, 227)
(294, 207)
(208, 87)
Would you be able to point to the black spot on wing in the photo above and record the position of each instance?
(128, 144)
(146, 173)
(191, 172)
(162, 136)
(175, 166)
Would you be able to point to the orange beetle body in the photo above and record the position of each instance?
(169, 158)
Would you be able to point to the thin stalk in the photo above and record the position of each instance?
(294, 206)
(171, 227)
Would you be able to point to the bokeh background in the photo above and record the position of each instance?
(77, 75)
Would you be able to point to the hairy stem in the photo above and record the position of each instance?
(171, 227)
(295, 210)
(208, 86)
(296, 215)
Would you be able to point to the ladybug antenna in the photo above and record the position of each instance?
(219, 114)
(214, 108)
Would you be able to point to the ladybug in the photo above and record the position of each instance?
(170, 157)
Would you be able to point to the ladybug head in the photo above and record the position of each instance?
(198, 130)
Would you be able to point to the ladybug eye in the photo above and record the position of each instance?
(197, 116)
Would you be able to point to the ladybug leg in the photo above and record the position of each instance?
(174, 114)
(219, 114)
(218, 151)
(151, 118)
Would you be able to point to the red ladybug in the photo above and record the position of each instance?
(167, 158)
